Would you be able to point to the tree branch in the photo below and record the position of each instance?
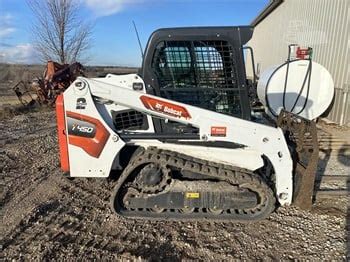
(59, 32)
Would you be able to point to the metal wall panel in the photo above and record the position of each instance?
(321, 24)
(341, 109)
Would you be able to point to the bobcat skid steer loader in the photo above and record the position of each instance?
(182, 132)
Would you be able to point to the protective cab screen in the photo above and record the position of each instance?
(199, 73)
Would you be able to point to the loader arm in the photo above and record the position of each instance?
(96, 93)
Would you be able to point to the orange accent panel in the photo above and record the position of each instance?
(61, 133)
(165, 107)
(92, 146)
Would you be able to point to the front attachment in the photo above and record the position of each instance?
(301, 136)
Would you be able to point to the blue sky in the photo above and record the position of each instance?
(114, 41)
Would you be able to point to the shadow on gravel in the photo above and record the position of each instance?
(328, 148)
(348, 226)
(325, 152)
(344, 154)
(343, 157)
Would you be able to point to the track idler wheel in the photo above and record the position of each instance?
(187, 210)
(215, 211)
(153, 178)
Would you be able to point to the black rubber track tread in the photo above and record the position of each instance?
(238, 176)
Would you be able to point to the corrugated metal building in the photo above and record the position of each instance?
(321, 24)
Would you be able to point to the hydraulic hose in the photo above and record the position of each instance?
(307, 77)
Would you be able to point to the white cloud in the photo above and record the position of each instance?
(6, 27)
(6, 18)
(22, 54)
(4, 32)
(108, 7)
(13, 53)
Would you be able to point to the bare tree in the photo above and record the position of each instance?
(59, 32)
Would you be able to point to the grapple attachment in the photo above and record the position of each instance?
(301, 136)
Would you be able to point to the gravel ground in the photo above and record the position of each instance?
(47, 216)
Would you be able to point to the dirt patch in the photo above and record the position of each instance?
(9, 111)
(47, 216)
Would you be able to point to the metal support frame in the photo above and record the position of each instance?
(302, 135)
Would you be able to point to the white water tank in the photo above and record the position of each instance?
(314, 98)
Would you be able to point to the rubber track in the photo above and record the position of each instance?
(237, 176)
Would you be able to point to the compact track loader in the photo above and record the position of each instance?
(182, 132)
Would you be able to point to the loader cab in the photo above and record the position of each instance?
(200, 66)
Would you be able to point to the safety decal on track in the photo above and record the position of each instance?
(218, 131)
(191, 195)
(165, 107)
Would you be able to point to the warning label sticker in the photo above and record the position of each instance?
(218, 131)
(192, 195)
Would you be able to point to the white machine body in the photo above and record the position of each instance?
(101, 95)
